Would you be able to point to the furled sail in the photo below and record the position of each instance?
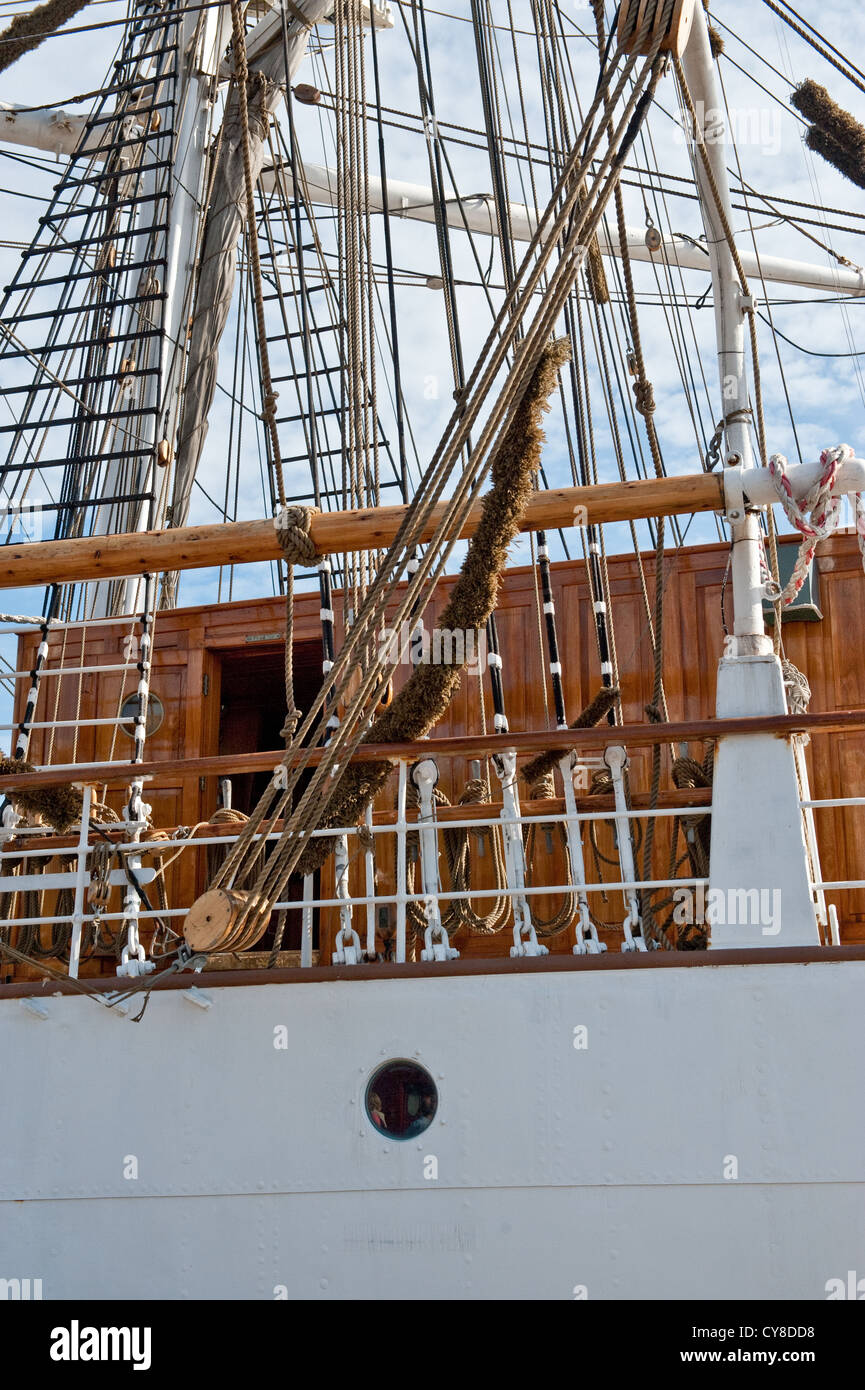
(271, 71)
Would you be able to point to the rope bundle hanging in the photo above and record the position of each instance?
(28, 31)
(60, 806)
(690, 775)
(833, 132)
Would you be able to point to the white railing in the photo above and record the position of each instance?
(357, 910)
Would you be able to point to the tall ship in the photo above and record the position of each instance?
(432, 837)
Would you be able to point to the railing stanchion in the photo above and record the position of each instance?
(306, 933)
(347, 942)
(401, 830)
(80, 884)
(588, 941)
(617, 760)
(525, 937)
(369, 864)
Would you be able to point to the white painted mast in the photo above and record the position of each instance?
(757, 843)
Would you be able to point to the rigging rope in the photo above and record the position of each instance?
(558, 219)
(824, 52)
(298, 548)
(428, 691)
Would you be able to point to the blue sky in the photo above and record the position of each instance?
(826, 393)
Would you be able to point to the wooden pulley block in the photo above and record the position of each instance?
(99, 893)
(248, 932)
(387, 698)
(213, 922)
(632, 18)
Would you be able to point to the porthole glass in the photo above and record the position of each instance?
(401, 1100)
(129, 709)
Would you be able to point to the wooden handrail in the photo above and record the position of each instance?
(464, 746)
(370, 528)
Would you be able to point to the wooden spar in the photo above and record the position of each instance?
(370, 528)
(464, 746)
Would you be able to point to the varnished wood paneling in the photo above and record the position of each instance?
(190, 645)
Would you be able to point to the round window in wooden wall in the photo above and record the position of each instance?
(401, 1099)
(130, 707)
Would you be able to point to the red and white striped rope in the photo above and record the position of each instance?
(815, 515)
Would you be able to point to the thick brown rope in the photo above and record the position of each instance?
(428, 691)
(28, 31)
(834, 133)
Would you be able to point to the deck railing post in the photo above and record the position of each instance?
(525, 937)
(80, 884)
(347, 949)
(306, 932)
(587, 942)
(369, 866)
(616, 759)
(425, 775)
(401, 831)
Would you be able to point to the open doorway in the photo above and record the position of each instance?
(251, 718)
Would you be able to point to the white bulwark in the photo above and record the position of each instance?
(638, 1131)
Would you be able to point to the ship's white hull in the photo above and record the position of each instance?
(702, 1138)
